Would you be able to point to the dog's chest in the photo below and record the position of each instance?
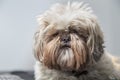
(89, 76)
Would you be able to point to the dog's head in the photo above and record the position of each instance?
(69, 37)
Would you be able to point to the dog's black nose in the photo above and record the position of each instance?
(65, 39)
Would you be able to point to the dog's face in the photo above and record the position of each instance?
(69, 38)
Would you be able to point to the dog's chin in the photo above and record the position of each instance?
(69, 60)
(66, 58)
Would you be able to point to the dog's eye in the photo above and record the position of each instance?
(84, 37)
(55, 34)
(74, 31)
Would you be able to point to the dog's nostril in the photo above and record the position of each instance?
(66, 39)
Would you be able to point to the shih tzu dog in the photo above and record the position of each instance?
(69, 45)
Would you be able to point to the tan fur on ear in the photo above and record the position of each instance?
(38, 51)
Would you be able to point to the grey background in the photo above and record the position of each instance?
(18, 24)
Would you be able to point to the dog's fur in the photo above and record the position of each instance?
(82, 56)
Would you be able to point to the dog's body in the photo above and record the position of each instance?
(69, 46)
(106, 69)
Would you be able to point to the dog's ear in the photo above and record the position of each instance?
(95, 40)
(38, 50)
(38, 38)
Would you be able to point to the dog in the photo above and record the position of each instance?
(69, 45)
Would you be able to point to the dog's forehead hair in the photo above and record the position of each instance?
(71, 26)
(64, 21)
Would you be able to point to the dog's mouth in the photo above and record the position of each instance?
(67, 45)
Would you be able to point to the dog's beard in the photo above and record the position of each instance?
(72, 58)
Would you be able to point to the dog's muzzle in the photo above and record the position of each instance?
(65, 40)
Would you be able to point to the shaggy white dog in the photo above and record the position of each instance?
(69, 46)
